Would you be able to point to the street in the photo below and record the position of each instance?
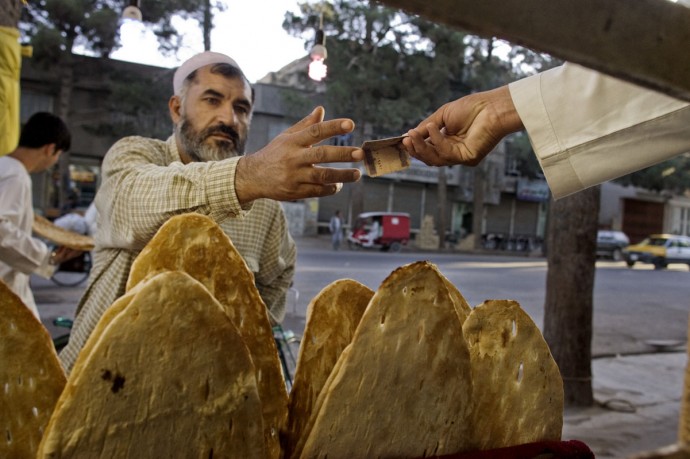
(631, 306)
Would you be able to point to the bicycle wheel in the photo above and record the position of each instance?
(72, 278)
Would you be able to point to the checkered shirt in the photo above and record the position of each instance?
(144, 184)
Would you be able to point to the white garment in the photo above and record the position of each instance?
(587, 128)
(373, 234)
(91, 216)
(73, 222)
(20, 254)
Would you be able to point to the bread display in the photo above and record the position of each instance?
(184, 364)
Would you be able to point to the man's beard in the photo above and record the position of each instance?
(199, 150)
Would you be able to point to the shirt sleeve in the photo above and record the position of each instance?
(587, 128)
(18, 248)
(143, 186)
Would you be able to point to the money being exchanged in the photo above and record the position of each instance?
(385, 156)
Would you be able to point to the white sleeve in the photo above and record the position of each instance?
(18, 249)
(587, 128)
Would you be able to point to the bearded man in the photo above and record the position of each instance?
(202, 168)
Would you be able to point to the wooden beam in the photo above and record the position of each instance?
(643, 41)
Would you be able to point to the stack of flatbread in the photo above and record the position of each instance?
(417, 373)
(31, 377)
(185, 365)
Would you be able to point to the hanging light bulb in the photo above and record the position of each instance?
(132, 11)
(318, 54)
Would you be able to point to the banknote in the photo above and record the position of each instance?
(384, 156)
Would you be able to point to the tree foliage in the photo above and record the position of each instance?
(672, 175)
(388, 69)
(380, 61)
(57, 26)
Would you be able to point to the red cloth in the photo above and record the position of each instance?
(571, 449)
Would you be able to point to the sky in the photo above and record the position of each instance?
(249, 31)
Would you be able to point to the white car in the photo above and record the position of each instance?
(610, 244)
(660, 250)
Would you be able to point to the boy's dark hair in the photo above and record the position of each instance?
(44, 128)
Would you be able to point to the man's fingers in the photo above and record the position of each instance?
(317, 132)
(329, 154)
(316, 116)
(333, 176)
(415, 141)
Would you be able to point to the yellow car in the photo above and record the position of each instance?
(660, 250)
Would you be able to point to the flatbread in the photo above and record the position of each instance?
(332, 318)
(61, 236)
(462, 307)
(518, 389)
(169, 377)
(31, 376)
(113, 311)
(195, 244)
(402, 388)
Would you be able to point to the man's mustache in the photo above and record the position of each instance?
(224, 130)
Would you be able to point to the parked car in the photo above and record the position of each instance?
(660, 250)
(610, 244)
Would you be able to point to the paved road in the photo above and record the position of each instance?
(631, 306)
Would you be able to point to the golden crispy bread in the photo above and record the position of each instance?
(46, 229)
(402, 388)
(332, 318)
(116, 308)
(462, 307)
(168, 377)
(195, 244)
(518, 390)
(31, 375)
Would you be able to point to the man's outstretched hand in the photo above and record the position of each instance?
(289, 167)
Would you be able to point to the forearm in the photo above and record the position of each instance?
(23, 252)
(141, 191)
(587, 128)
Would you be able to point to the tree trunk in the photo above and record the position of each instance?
(11, 11)
(568, 306)
(442, 204)
(64, 102)
(207, 25)
(478, 205)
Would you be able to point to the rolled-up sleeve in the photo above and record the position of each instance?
(144, 184)
(587, 128)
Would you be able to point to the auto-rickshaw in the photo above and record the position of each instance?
(387, 231)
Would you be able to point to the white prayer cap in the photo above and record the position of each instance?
(196, 62)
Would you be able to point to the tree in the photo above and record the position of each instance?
(672, 175)
(571, 255)
(58, 28)
(374, 53)
(12, 11)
